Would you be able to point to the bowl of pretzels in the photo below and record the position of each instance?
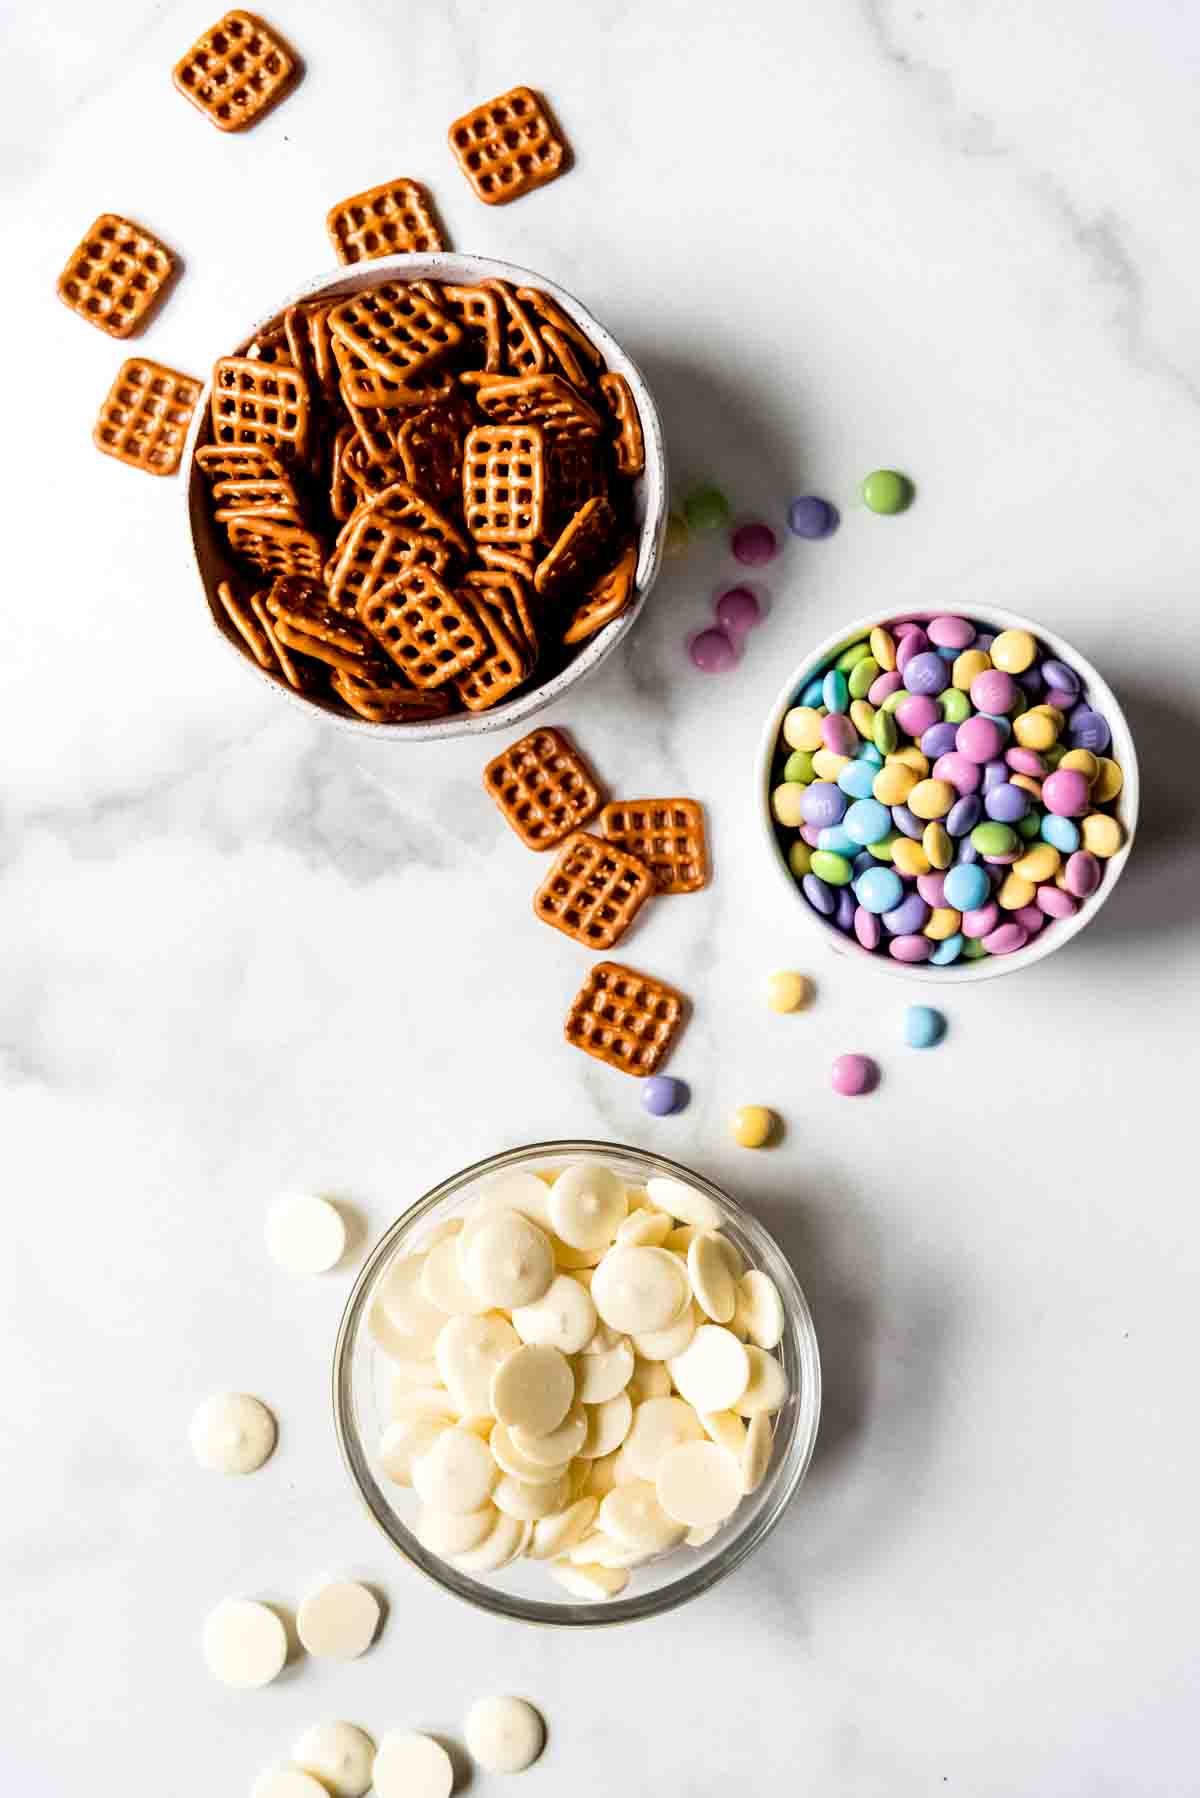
(426, 495)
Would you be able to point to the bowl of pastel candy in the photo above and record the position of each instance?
(949, 795)
(576, 1384)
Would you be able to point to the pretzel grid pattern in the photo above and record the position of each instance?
(250, 464)
(477, 309)
(508, 593)
(503, 483)
(544, 788)
(524, 351)
(384, 221)
(256, 403)
(507, 146)
(115, 275)
(667, 835)
(430, 633)
(145, 418)
(430, 446)
(235, 71)
(394, 329)
(275, 546)
(269, 499)
(375, 551)
(626, 1019)
(504, 664)
(381, 702)
(593, 892)
(542, 399)
(366, 386)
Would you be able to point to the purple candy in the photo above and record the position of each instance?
(908, 823)
(1063, 701)
(862, 861)
(963, 774)
(853, 1075)
(1030, 682)
(823, 804)
(1006, 804)
(843, 917)
(981, 921)
(1007, 940)
(938, 740)
(910, 948)
(917, 713)
(909, 917)
(661, 1095)
(1066, 792)
(867, 928)
(1089, 730)
(993, 691)
(813, 517)
(883, 686)
(821, 897)
(932, 888)
(738, 610)
(1025, 761)
(712, 652)
(979, 739)
(754, 544)
(1054, 902)
(1083, 874)
(950, 632)
(964, 815)
(1030, 918)
(984, 640)
(838, 734)
(926, 674)
(994, 775)
(913, 643)
(966, 851)
(1062, 678)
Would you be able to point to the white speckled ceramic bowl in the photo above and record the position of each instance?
(215, 564)
(1056, 934)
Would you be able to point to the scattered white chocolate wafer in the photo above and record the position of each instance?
(232, 1433)
(338, 1621)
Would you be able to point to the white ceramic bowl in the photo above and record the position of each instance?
(214, 563)
(1056, 933)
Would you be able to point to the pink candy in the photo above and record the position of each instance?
(982, 922)
(979, 739)
(853, 1075)
(1007, 940)
(910, 948)
(913, 643)
(883, 686)
(1066, 792)
(963, 774)
(950, 633)
(754, 544)
(838, 734)
(1030, 918)
(1083, 874)
(993, 691)
(867, 928)
(932, 888)
(712, 652)
(738, 610)
(1025, 761)
(1055, 903)
(917, 714)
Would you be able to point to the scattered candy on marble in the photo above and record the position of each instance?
(753, 1126)
(712, 651)
(706, 509)
(943, 809)
(663, 1095)
(789, 991)
(924, 1026)
(854, 1075)
(886, 491)
(753, 544)
(812, 517)
(738, 611)
(675, 541)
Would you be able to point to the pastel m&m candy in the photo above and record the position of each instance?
(853, 1075)
(924, 1026)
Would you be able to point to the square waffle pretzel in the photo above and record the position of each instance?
(387, 701)
(268, 499)
(406, 506)
(236, 71)
(259, 405)
(606, 599)
(291, 673)
(574, 475)
(377, 549)
(626, 1019)
(395, 330)
(544, 788)
(144, 421)
(523, 350)
(628, 447)
(509, 594)
(250, 464)
(432, 634)
(115, 275)
(477, 310)
(593, 892)
(550, 315)
(668, 835)
(510, 558)
(504, 483)
(508, 146)
(542, 399)
(275, 546)
(430, 445)
(387, 220)
(305, 621)
(362, 385)
(575, 552)
(506, 662)
(238, 612)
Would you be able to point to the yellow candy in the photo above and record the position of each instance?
(827, 765)
(1015, 892)
(883, 648)
(938, 845)
(1083, 761)
(912, 758)
(788, 992)
(862, 717)
(1102, 835)
(1036, 729)
(676, 539)
(966, 666)
(1108, 782)
(1042, 862)
(942, 923)
(882, 851)
(932, 798)
(785, 804)
(909, 857)
(1014, 651)
(1028, 782)
(893, 784)
(752, 1126)
(800, 858)
(802, 728)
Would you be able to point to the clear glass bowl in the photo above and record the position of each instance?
(362, 1381)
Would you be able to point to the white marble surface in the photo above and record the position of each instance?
(240, 953)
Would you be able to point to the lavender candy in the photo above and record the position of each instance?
(823, 804)
(926, 674)
(1089, 730)
(938, 740)
(843, 917)
(1061, 679)
(908, 918)
(1005, 803)
(822, 898)
(964, 815)
(908, 823)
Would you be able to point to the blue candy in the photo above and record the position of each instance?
(811, 694)
(1063, 833)
(835, 694)
(948, 950)
(966, 887)
(867, 821)
(857, 779)
(867, 752)
(923, 1025)
(878, 890)
(837, 839)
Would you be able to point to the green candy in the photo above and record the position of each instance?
(706, 509)
(1030, 825)
(799, 766)
(833, 869)
(887, 492)
(882, 850)
(955, 706)
(1020, 704)
(800, 858)
(994, 839)
(973, 949)
(1053, 756)
(885, 732)
(863, 676)
(895, 699)
(850, 658)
